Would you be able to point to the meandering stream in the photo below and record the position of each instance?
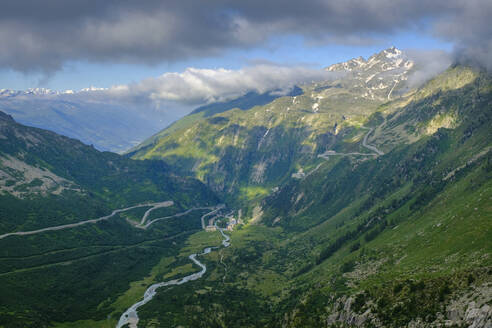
(130, 316)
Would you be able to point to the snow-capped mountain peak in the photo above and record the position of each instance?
(40, 91)
(382, 75)
(393, 52)
(93, 88)
(390, 58)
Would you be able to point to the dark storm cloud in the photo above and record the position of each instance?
(42, 35)
(470, 29)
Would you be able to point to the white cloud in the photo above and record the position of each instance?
(179, 92)
(428, 64)
(197, 86)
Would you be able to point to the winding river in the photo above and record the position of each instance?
(130, 316)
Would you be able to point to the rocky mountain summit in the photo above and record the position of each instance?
(269, 143)
(381, 76)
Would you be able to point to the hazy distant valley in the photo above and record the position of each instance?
(109, 126)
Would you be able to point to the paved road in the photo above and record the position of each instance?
(214, 208)
(141, 225)
(364, 143)
(73, 225)
(218, 208)
(375, 151)
(158, 205)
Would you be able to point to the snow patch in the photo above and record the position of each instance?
(370, 78)
(393, 53)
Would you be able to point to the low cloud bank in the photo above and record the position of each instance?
(197, 86)
(182, 91)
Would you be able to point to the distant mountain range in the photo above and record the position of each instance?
(107, 125)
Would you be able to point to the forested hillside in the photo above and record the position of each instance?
(74, 273)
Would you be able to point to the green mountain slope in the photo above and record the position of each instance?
(79, 272)
(243, 154)
(40, 165)
(403, 236)
(248, 101)
(400, 239)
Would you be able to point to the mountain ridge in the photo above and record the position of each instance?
(249, 100)
(38, 162)
(310, 123)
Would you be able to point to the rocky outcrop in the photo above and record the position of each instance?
(471, 308)
(343, 313)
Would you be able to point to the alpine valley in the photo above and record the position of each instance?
(364, 200)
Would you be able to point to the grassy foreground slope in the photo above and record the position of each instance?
(398, 240)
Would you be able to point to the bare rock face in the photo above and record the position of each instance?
(471, 309)
(467, 309)
(343, 313)
(378, 77)
(479, 317)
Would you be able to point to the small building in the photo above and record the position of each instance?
(210, 228)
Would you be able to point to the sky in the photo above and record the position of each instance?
(78, 74)
(134, 48)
